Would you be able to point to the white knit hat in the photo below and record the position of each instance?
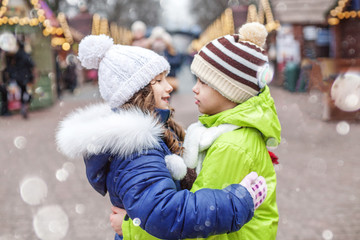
(235, 65)
(123, 70)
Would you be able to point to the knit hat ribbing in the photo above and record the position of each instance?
(122, 70)
(235, 65)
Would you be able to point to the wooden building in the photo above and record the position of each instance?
(344, 23)
(42, 32)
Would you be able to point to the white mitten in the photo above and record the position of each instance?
(256, 186)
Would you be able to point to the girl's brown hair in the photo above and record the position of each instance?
(174, 134)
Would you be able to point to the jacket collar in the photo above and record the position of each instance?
(163, 114)
(258, 112)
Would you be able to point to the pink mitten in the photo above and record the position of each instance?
(256, 186)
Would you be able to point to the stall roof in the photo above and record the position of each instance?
(302, 11)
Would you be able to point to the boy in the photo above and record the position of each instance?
(239, 120)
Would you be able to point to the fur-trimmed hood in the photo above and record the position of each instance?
(97, 129)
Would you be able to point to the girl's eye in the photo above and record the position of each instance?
(200, 81)
(155, 81)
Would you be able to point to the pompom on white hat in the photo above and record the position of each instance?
(122, 70)
(235, 65)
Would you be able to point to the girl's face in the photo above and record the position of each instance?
(210, 101)
(162, 90)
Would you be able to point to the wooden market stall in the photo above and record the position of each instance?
(34, 23)
(344, 22)
(49, 37)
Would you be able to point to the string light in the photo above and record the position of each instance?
(338, 13)
(59, 31)
(38, 19)
(65, 46)
(333, 21)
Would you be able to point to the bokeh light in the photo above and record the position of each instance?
(313, 98)
(69, 167)
(80, 208)
(20, 142)
(346, 92)
(33, 190)
(327, 235)
(62, 175)
(51, 222)
(343, 128)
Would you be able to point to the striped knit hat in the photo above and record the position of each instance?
(235, 65)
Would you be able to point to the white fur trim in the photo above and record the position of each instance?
(176, 166)
(96, 129)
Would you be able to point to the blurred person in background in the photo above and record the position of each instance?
(4, 111)
(138, 29)
(161, 43)
(20, 67)
(8, 46)
(69, 75)
(58, 72)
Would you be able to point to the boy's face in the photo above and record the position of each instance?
(162, 90)
(210, 101)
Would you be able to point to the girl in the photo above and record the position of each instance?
(130, 150)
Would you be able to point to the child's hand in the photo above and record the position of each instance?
(117, 218)
(256, 186)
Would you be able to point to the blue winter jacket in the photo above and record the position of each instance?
(139, 180)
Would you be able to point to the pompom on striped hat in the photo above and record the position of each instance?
(235, 65)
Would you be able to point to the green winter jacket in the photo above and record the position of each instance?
(236, 153)
(232, 156)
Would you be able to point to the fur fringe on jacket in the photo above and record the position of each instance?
(97, 129)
